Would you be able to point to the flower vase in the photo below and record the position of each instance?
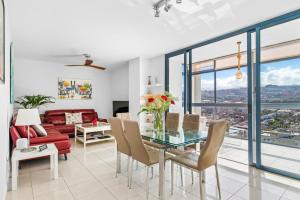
(159, 121)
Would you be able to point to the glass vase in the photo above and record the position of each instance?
(159, 121)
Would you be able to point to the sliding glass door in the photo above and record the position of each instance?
(279, 97)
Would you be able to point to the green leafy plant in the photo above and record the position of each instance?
(34, 101)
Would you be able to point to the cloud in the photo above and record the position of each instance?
(283, 76)
(225, 83)
(272, 76)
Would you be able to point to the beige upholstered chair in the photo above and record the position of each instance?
(191, 122)
(122, 143)
(140, 152)
(123, 116)
(207, 157)
(172, 121)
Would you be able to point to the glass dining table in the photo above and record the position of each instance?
(168, 139)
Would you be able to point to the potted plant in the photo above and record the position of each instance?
(158, 105)
(34, 101)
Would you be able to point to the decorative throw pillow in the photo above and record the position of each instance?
(77, 118)
(73, 118)
(24, 133)
(40, 130)
(69, 118)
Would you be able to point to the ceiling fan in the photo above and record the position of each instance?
(87, 63)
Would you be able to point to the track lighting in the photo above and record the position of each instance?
(165, 4)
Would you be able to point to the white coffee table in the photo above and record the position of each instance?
(17, 156)
(86, 129)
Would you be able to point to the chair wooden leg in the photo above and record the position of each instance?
(218, 181)
(192, 174)
(147, 183)
(181, 175)
(201, 186)
(131, 171)
(172, 177)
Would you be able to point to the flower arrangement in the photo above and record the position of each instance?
(158, 105)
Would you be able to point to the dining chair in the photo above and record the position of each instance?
(172, 121)
(191, 122)
(140, 152)
(206, 158)
(122, 144)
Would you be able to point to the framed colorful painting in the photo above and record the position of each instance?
(74, 89)
(2, 44)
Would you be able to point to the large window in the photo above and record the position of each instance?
(263, 107)
(217, 93)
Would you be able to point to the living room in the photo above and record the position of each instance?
(186, 79)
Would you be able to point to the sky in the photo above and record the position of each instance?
(276, 73)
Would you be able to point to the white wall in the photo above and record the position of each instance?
(5, 116)
(157, 69)
(40, 77)
(120, 83)
(134, 88)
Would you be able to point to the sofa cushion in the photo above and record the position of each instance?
(40, 130)
(23, 131)
(53, 136)
(88, 118)
(56, 120)
(65, 128)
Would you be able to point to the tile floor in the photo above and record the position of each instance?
(278, 157)
(90, 175)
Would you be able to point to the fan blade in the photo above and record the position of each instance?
(75, 65)
(96, 67)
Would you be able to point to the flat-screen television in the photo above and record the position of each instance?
(120, 107)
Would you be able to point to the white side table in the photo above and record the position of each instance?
(17, 155)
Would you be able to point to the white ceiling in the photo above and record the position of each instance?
(114, 31)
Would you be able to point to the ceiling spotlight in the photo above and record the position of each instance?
(178, 1)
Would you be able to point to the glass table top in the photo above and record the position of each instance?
(173, 138)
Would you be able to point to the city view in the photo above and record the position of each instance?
(280, 102)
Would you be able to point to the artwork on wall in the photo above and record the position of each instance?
(12, 74)
(74, 89)
(2, 45)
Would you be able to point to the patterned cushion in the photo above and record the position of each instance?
(73, 118)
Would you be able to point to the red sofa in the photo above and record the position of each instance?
(61, 141)
(58, 120)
